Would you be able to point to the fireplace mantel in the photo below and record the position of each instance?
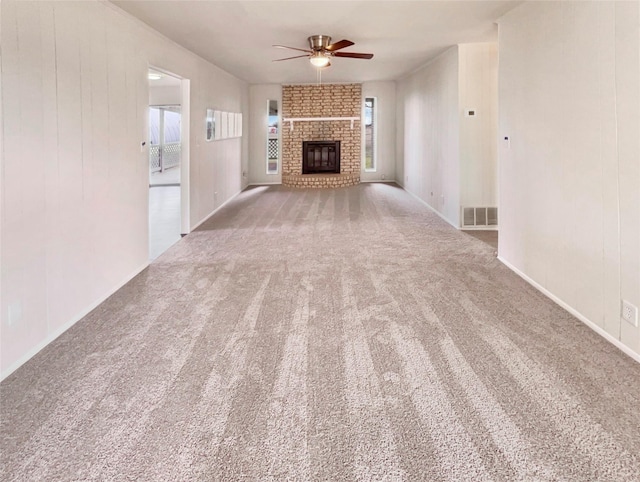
(291, 120)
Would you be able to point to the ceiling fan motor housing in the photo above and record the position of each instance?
(319, 42)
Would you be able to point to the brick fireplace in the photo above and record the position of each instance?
(311, 101)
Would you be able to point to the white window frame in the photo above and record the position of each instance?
(279, 158)
(374, 134)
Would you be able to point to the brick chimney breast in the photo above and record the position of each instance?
(327, 100)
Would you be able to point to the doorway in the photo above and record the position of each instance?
(168, 160)
(164, 145)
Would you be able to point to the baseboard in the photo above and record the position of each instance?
(52, 336)
(193, 228)
(614, 341)
(379, 180)
(431, 208)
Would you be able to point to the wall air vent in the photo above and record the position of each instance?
(479, 217)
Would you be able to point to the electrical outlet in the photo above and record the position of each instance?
(629, 313)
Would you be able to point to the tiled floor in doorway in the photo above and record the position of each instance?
(168, 177)
(164, 219)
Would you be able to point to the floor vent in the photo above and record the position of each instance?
(479, 217)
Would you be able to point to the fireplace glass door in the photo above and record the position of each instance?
(320, 157)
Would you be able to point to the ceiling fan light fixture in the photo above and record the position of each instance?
(319, 60)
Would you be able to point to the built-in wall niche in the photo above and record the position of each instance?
(223, 125)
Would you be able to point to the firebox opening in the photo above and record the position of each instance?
(320, 157)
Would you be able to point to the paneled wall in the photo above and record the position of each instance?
(165, 95)
(259, 96)
(74, 182)
(448, 158)
(478, 92)
(431, 125)
(569, 80)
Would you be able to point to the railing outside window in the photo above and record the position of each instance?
(164, 137)
(164, 157)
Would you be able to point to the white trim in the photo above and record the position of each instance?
(193, 228)
(600, 331)
(374, 134)
(430, 207)
(185, 142)
(278, 138)
(55, 334)
(380, 180)
(185, 155)
(264, 184)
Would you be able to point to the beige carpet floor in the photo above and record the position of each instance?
(333, 335)
(489, 237)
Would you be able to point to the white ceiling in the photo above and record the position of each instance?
(238, 35)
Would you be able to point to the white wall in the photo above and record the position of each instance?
(570, 183)
(165, 94)
(448, 159)
(385, 93)
(259, 95)
(400, 128)
(431, 134)
(478, 91)
(74, 182)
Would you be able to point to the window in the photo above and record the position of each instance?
(164, 137)
(272, 137)
(370, 134)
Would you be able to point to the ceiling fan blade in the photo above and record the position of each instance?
(292, 48)
(289, 58)
(353, 55)
(339, 45)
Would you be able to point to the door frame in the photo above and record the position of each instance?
(185, 139)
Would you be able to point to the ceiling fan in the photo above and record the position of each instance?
(321, 50)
